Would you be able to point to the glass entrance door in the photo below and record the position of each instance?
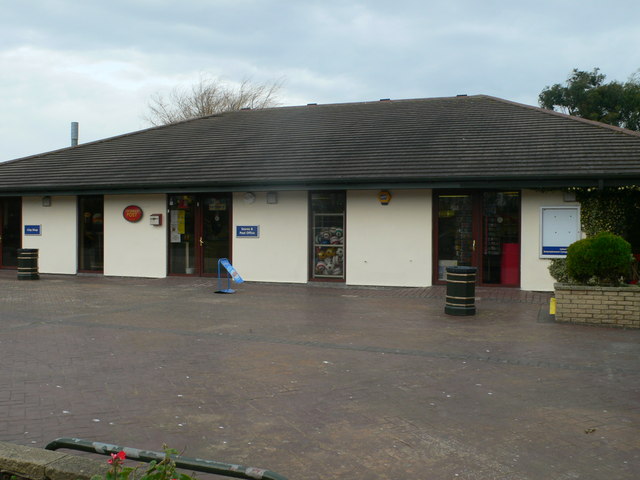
(456, 237)
(215, 234)
(480, 229)
(10, 231)
(199, 233)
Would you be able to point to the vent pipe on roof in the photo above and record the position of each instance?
(74, 134)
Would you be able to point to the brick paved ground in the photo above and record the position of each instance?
(320, 382)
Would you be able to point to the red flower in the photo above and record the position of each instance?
(117, 458)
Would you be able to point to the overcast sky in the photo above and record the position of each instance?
(97, 62)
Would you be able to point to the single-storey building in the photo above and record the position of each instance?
(384, 193)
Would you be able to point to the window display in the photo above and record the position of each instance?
(327, 210)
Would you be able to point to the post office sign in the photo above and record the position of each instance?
(132, 213)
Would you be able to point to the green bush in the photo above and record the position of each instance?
(558, 270)
(603, 259)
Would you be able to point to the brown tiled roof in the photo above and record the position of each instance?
(457, 141)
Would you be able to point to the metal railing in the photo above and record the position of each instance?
(195, 464)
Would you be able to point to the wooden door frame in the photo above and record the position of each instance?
(198, 229)
(477, 233)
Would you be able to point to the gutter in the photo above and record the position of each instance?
(329, 184)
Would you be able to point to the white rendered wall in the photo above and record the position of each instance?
(389, 244)
(57, 246)
(534, 272)
(280, 253)
(135, 249)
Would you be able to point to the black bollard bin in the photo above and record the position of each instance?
(28, 264)
(461, 291)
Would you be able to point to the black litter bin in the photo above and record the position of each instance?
(461, 291)
(28, 264)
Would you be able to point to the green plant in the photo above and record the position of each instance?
(613, 210)
(558, 270)
(602, 259)
(164, 469)
(634, 275)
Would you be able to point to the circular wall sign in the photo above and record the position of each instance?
(132, 213)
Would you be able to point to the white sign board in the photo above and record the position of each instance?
(559, 228)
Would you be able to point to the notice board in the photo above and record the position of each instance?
(559, 228)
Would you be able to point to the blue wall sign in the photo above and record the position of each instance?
(247, 231)
(547, 250)
(33, 229)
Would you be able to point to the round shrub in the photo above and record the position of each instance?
(604, 258)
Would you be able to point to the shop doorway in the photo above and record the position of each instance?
(480, 229)
(91, 234)
(199, 233)
(328, 233)
(10, 231)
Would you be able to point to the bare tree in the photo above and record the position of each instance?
(208, 97)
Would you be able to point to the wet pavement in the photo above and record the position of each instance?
(320, 382)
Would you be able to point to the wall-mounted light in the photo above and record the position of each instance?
(384, 196)
(46, 201)
(249, 197)
(272, 198)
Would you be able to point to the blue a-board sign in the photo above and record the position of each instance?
(33, 229)
(232, 271)
(233, 274)
(247, 231)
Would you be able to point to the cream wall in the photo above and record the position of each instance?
(135, 249)
(57, 246)
(534, 273)
(280, 253)
(377, 254)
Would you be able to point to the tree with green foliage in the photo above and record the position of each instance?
(586, 95)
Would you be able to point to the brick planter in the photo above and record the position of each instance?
(607, 306)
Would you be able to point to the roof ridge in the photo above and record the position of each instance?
(564, 115)
(108, 139)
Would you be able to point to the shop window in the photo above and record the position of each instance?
(91, 233)
(501, 238)
(10, 234)
(328, 235)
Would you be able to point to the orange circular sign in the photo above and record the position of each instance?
(132, 213)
